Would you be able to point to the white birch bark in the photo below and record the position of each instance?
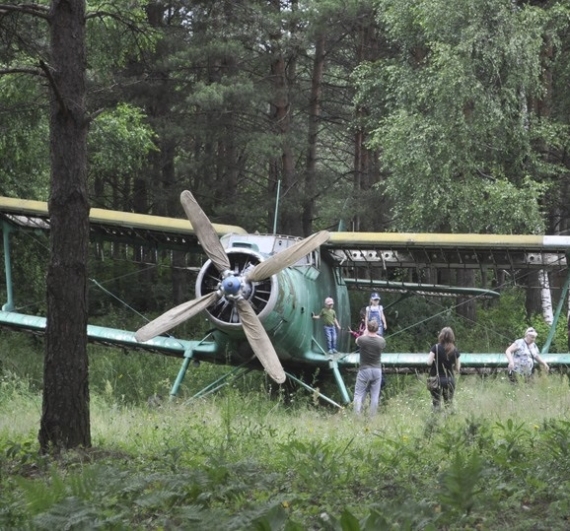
(545, 297)
(568, 323)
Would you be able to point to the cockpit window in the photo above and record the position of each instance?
(268, 244)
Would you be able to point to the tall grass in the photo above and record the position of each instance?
(252, 458)
(246, 460)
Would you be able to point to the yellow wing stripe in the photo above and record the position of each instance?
(25, 207)
(410, 240)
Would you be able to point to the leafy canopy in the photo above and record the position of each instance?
(452, 115)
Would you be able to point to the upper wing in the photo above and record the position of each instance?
(116, 226)
(460, 251)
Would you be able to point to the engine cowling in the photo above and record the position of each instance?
(261, 295)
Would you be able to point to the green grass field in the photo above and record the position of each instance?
(248, 459)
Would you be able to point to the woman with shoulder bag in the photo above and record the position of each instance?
(444, 362)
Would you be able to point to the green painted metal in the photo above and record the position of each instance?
(190, 349)
(236, 372)
(290, 326)
(468, 360)
(313, 390)
(110, 336)
(301, 291)
(339, 381)
(9, 306)
(434, 289)
(181, 373)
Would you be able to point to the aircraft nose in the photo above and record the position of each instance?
(231, 285)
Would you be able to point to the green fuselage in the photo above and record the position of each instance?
(291, 297)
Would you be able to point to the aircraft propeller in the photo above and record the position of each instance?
(232, 287)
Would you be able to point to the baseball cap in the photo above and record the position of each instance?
(374, 296)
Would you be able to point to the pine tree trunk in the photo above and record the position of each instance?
(466, 305)
(533, 302)
(65, 421)
(314, 118)
(282, 70)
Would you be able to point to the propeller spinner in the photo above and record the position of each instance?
(234, 287)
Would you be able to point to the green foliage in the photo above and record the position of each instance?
(126, 378)
(498, 325)
(119, 141)
(20, 364)
(23, 139)
(29, 258)
(240, 462)
(24, 454)
(116, 33)
(449, 115)
(460, 485)
(556, 440)
(509, 446)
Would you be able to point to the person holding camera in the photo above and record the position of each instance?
(369, 377)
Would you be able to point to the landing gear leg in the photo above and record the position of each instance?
(333, 364)
(181, 373)
(313, 390)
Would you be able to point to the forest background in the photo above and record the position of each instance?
(397, 115)
(392, 115)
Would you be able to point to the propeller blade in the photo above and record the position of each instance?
(205, 231)
(259, 341)
(288, 257)
(174, 317)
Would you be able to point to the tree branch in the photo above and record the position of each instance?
(123, 20)
(31, 71)
(94, 115)
(54, 87)
(35, 10)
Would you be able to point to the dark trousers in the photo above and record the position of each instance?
(446, 390)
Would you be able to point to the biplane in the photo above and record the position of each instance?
(258, 291)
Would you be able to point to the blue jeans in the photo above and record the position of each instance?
(330, 335)
(367, 380)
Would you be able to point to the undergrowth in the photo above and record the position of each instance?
(253, 457)
(246, 460)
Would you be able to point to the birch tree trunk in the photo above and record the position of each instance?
(545, 297)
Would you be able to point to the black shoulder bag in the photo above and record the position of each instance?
(433, 381)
